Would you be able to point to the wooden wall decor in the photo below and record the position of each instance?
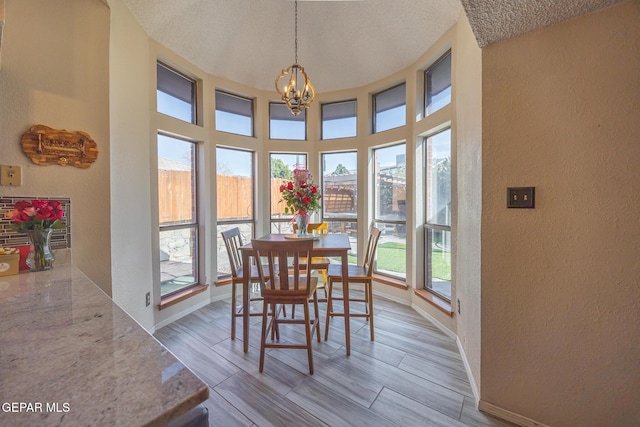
(47, 146)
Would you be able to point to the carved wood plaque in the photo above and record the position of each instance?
(47, 146)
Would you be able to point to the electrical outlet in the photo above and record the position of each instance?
(148, 299)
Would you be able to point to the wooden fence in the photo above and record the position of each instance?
(234, 199)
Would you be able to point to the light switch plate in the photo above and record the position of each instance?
(10, 175)
(521, 197)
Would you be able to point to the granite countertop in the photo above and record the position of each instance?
(70, 356)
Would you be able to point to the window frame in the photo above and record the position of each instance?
(194, 225)
(430, 226)
(304, 114)
(244, 98)
(252, 220)
(355, 101)
(280, 220)
(374, 111)
(194, 92)
(377, 221)
(427, 96)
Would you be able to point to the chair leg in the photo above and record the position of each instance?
(316, 319)
(369, 292)
(307, 331)
(329, 309)
(263, 338)
(233, 310)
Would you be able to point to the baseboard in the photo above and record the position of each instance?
(435, 321)
(463, 355)
(181, 314)
(508, 415)
(392, 298)
(467, 367)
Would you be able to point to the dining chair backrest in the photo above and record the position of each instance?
(370, 254)
(283, 260)
(233, 241)
(320, 227)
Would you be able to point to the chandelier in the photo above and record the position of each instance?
(295, 90)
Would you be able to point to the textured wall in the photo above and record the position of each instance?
(560, 292)
(55, 62)
(468, 107)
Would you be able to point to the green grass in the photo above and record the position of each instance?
(392, 257)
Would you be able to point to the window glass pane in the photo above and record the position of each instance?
(177, 259)
(176, 94)
(177, 211)
(390, 183)
(350, 228)
(339, 185)
(438, 262)
(390, 109)
(234, 184)
(281, 171)
(176, 180)
(246, 231)
(339, 120)
(438, 170)
(437, 84)
(284, 125)
(234, 114)
(391, 256)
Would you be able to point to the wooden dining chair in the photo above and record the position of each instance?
(320, 264)
(285, 282)
(356, 274)
(233, 241)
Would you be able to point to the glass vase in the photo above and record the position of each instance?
(302, 221)
(40, 256)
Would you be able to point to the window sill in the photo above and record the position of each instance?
(181, 296)
(223, 282)
(435, 300)
(390, 281)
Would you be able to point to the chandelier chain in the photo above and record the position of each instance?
(296, 30)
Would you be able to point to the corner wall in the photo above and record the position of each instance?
(560, 294)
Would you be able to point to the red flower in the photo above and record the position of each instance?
(299, 194)
(290, 185)
(306, 200)
(37, 214)
(314, 190)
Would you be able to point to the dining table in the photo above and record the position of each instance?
(324, 245)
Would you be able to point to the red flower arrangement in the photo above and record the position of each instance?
(36, 215)
(300, 195)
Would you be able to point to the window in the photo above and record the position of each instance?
(234, 114)
(437, 85)
(177, 207)
(339, 120)
(176, 94)
(339, 196)
(389, 108)
(234, 201)
(390, 196)
(281, 171)
(438, 214)
(284, 125)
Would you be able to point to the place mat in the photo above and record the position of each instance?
(296, 237)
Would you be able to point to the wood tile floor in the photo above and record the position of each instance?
(411, 375)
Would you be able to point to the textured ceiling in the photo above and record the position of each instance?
(341, 44)
(495, 20)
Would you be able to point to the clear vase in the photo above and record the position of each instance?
(302, 221)
(40, 256)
